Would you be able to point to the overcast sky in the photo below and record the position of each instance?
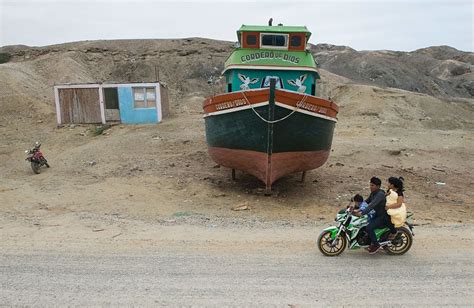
(363, 25)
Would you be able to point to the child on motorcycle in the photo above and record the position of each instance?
(361, 205)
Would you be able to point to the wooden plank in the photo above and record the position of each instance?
(65, 103)
(80, 105)
(165, 103)
(112, 115)
(89, 100)
(101, 105)
(58, 107)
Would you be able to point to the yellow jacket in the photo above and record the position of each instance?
(398, 216)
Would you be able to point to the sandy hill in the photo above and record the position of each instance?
(441, 71)
(402, 113)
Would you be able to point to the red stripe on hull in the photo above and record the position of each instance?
(232, 100)
(256, 163)
(211, 104)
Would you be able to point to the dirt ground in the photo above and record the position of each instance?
(98, 260)
(156, 172)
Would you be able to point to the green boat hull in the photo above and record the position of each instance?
(244, 130)
(241, 140)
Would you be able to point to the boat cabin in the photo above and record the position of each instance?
(267, 52)
(272, 37)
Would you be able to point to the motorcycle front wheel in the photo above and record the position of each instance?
(44, 162)
(36, 167)
(330, 247)
(401, 243)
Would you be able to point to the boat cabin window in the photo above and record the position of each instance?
(295, 41)
(251, 39)
(276, 41)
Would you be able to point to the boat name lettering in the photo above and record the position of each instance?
(269, 55)
(311, 107)
(231, 104)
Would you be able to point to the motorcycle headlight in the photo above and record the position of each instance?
(26, 151)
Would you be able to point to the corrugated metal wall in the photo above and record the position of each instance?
(131, 115)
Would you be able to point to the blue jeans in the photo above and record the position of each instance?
(378, 223)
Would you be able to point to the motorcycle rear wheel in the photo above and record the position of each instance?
(36, 167)
(327, 248)
(401, 244)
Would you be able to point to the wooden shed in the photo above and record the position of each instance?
(132, 103)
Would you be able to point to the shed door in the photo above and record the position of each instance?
(80, 105)
(112, 112)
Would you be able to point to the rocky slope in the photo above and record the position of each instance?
(187, 64)
(441, 71)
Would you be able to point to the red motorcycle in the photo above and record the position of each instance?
(36, 158)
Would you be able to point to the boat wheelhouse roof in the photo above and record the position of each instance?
(274, 54)
(274, 29)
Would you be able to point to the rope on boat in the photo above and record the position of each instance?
(279, 120)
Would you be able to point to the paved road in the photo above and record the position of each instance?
(246, 270)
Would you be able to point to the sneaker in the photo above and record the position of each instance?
(373, 249)
(392, 236)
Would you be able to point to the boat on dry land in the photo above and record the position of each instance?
(270, 123)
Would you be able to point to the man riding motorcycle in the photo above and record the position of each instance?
(377, 202)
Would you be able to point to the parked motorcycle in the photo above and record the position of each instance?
(351, 232)
(36, 158)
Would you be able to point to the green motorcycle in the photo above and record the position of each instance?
(351, 232)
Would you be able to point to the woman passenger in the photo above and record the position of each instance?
(395, 201)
